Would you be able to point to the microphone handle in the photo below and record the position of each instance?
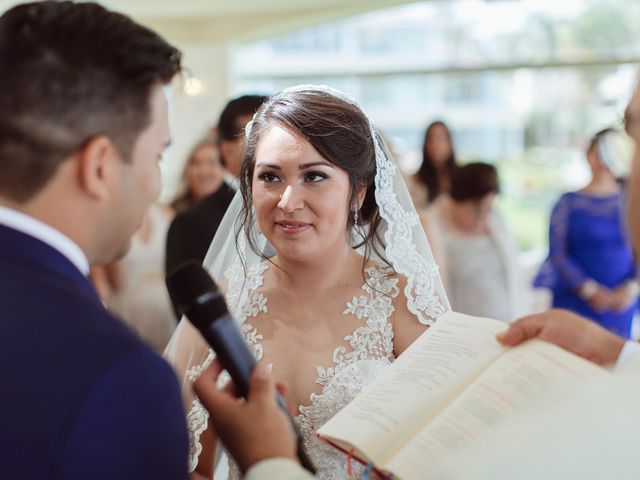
(227, 341)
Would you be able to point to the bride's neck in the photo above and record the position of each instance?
(324, 272)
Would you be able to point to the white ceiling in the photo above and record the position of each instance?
(222, 21)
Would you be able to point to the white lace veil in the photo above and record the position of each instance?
(405, 248)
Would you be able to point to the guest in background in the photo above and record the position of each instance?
(192, 230)
(433, 178)
(235, 116)
(134, 288)
(202, 175)
(590, 269)
(473, 247)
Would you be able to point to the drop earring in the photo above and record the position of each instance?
(356, 216)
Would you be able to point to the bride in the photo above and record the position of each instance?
(324, 262)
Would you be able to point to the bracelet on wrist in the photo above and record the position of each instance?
(633, 288)
(588, 289)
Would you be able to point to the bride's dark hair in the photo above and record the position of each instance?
(341, 133)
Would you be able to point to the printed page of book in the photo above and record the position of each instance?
(417, 386)
(521, 374)
(597, 420)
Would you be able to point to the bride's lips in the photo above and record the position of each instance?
(292, 227)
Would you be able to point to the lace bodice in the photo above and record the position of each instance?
(369, 351)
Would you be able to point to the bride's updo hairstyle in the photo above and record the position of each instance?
(341, 133)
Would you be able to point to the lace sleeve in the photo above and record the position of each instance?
(190, 356)
(567, 268)
(197, 422)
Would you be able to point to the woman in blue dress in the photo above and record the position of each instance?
(591, 269)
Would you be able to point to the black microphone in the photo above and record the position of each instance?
(195, 294)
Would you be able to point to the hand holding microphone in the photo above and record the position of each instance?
(197, 296)
(251, 431)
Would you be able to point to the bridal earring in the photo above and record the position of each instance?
(356, 217)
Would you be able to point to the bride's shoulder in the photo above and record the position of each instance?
(383, 279)
(379, 278)
(405, 324)
(379, 269)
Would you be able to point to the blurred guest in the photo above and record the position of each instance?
(202, 175)
(192, 230)
(473, 247)
(433, 178)
(590, 269)
(233, 119)
(134, 287)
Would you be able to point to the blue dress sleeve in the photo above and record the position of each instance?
(568, 271)
(131, 425)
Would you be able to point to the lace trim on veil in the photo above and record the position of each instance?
(401, 249)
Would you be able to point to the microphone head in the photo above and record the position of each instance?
(195, 294)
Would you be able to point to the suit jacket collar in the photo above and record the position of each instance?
(219, 199)
(224, 192)
(231, 181)
(18, 248)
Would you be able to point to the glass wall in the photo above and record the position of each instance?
(521, 83)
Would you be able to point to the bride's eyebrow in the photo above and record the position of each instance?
(268, 165)
(304, 166)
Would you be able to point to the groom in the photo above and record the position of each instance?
(83, 125)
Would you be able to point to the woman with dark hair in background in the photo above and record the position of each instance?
(203, 174)
(473, 247)
(591, 269)
(433, 178)
(334, 303)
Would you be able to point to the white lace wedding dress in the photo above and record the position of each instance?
(370, 351)
(363, 352)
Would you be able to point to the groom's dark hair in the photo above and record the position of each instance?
(68, 72)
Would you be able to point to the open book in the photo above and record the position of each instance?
(453, 384)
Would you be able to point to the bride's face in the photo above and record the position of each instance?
(300, 198)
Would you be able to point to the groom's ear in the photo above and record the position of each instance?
(97, 162)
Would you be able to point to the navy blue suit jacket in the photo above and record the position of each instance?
(82, 397)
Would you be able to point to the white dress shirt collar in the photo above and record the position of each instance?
(231, 180)
(47, 234)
